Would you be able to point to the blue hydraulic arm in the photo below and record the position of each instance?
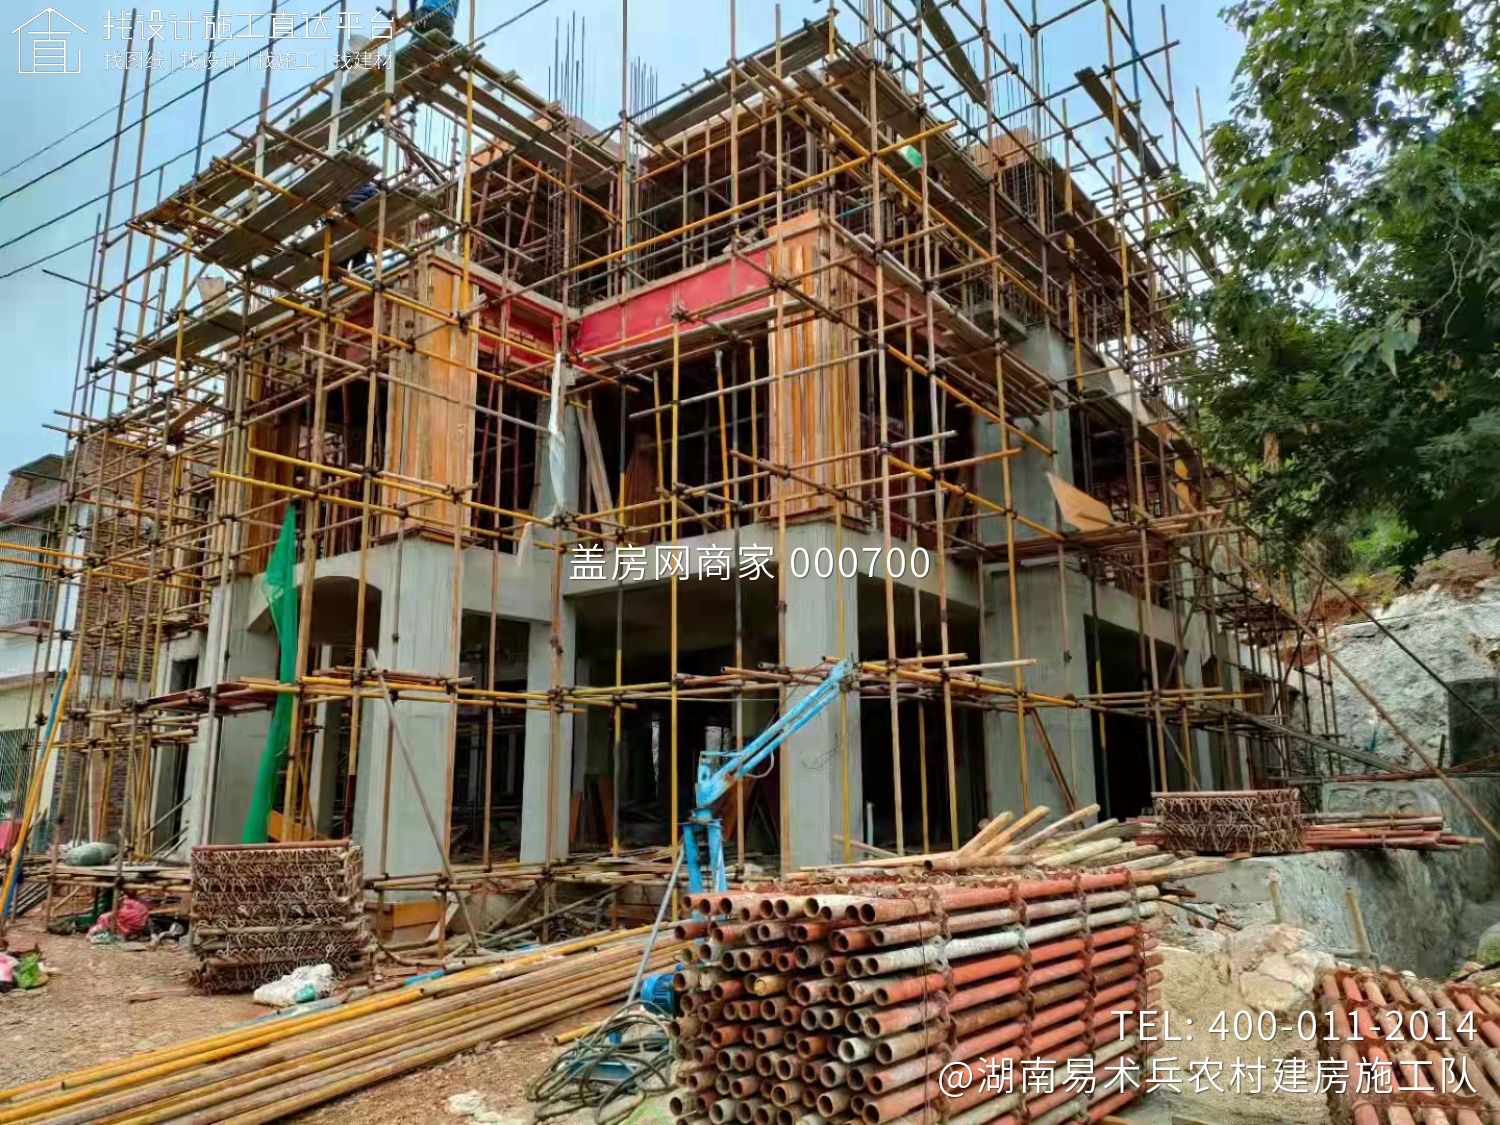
(718, 771)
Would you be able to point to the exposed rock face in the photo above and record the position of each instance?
(1457, 636)
(1275, 968)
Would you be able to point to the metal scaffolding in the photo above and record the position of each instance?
(793, 292)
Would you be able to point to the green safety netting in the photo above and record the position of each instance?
(281, 591)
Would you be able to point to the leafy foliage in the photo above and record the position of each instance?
(1356, 213)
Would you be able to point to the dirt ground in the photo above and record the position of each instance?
(84, 1015)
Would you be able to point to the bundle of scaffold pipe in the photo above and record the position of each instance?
(1405, 1050)
(1424, 832)
(883, 999)
(272, 1068)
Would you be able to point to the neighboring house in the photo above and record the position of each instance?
(31, 509)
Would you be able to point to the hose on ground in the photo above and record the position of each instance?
(612, 1070)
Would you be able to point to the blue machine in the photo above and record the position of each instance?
(657, 993)
(719, 770)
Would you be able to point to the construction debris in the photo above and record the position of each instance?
(273, 1068)
(853, 1000)
(261, 911)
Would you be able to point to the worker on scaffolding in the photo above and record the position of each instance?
(434, 15)
(362, 194)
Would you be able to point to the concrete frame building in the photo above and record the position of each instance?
(844, 299)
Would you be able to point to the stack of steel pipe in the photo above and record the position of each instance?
(1339, 830)
(857, 1001)
(1404, 1050)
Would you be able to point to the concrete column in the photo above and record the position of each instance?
(812, 757)
(1052, 633)
(241, 739)
(549, 745)
(415, 636)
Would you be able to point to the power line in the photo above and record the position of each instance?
(141, 121)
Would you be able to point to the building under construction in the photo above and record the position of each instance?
(584, 447)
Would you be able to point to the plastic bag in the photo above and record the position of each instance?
(310, 982)
(29, 973)
(134, 916)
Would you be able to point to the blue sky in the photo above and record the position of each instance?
(40, 314)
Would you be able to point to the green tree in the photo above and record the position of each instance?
(1356, 215)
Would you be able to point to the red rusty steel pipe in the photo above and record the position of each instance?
(884, 1110)
(689, 930)
(730, 932)
(787, 1093)
(852, 939)
(831, 1103)
(765, 1063)
(812, 991)
(725, 1034)
(888, 991)
(768, 984)
(903, 1074)
(876, 1023)
(814, 931)
(810, 1071)
(1100, 1110)
(767, 932)
(833, 1073)
(788, 1066)
(1055, 1048)
(811, 1046)
(787, 907)
(767, 1037)
(835, 965)
(954, 899)
(790, 1015)
(889, 936)
(810, 954)
(786, 960)
(830, 908)
(728, 989)
(743, 1085)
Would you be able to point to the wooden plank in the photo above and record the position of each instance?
(1079, 508)
(593, 454)
(817, 410)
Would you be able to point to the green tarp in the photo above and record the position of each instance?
(281, 598)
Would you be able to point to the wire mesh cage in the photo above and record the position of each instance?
(262, 910)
